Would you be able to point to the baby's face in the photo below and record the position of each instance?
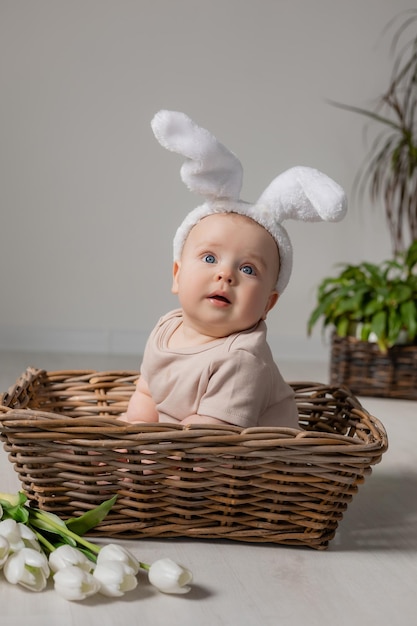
(226, 278)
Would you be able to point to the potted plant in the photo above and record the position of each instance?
(376, 303)
(372, 309)
(372, 313)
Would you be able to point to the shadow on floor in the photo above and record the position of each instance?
(381, 516)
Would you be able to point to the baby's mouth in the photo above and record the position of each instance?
(220, 298)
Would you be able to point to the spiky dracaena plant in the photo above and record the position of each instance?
(390, 167)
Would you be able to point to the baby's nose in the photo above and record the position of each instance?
(225, 274)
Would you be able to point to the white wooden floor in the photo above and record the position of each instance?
(367, 577)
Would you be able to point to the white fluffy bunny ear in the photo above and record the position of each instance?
(210, 169)
(304, 193)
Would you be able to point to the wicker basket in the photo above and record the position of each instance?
(274, 485)
(362, 367)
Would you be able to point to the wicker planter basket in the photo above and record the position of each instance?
(361, 366)
(259, 485)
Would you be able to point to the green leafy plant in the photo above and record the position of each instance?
(371, 302)
(390, 167)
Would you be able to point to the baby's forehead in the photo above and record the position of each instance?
(243, 226)
(246, 232)
(210, 223)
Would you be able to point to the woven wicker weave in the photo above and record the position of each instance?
(259, 485)
(361, 366)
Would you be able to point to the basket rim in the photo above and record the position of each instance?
(22, 418)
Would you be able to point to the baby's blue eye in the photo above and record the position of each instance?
(209, 258)
(248, 269)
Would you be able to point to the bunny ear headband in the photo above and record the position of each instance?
(211, 170)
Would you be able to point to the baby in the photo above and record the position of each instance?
(208, 362)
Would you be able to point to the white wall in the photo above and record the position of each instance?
(89, 201)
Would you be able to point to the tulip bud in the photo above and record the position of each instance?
(28, 537)
(115, 578)
(28, 568)
(64, 556)
(4, 550)
(169, 577)
(114, 552)
(74, 583)
(10, 530)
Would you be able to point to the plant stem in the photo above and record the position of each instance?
(63, 530)
(48, 545)
(144, 566)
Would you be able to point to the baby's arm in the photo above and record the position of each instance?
(141, 407)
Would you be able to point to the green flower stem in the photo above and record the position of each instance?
(63, 530)
(144, 566)
(48, 545)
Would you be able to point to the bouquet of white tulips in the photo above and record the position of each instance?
(36, 545)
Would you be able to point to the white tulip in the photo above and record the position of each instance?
(4, 550)
(66, 555)
(115, 578)
(10, 530)
(28, 568)
(28, 537)
(74, 583)
(114, 552)
(169, 577)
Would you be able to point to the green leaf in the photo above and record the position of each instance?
(18, 513)
(394, 326)
(374, 272)
(90, 519)
(399, 293)
(52, 524)
(343, 327)
(411, 256)
(408, 312)
(365, 332)
(12, 499)
(372, 307)
(352, 303)
(13, 506)
(378, 326)
(43, 522)
(315, 316)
